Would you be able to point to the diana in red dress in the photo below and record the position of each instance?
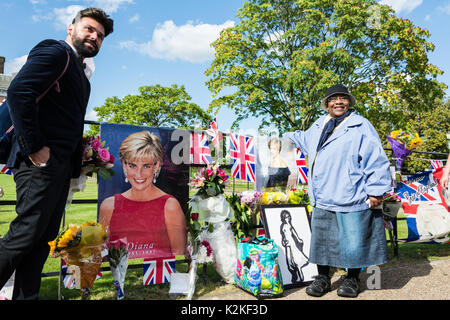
(151, 220)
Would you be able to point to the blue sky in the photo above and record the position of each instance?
(166, 42)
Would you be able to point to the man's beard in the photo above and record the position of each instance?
(82, 49)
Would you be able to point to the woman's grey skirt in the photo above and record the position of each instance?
(348, 239)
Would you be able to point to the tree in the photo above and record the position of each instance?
(156, 106)
(279, 60)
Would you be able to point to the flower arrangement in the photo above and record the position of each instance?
(208, 220)
(409, 140)
(246, 206)
(391, 204)
(80, 245)
(277, 197)
(296, 195)
(118, 262)
(204, 254)
(391, 197)
(210, 181)
(403, 142)
(96, 158)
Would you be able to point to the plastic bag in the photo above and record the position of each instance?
(224, 250)
(212, 209)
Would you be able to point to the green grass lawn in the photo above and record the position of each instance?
(208, 279)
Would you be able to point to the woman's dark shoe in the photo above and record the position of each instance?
(319, 286)
(349, 288)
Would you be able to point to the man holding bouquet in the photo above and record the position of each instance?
(47, 101)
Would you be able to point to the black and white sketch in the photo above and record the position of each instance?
(289, 226)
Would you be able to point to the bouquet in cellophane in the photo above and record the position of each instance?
(118, 262)
(96, 158)
(81, 245)
(403, 142)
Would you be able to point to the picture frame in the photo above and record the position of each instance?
(289, 226)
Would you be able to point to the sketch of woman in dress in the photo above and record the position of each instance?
(293, 247)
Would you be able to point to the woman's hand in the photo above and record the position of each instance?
(375, 201)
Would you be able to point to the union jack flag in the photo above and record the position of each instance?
(436, 164)
(199, 152)
(158, 270)
(68, 278)
(4, 169)
(300, 160)
(242, 156)
(421, 188)
(214, 133)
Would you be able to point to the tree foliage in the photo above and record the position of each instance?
(278, 61)
(155, 106)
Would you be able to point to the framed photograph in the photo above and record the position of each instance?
(289, 226)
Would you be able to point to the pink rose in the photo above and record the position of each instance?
(96, 144)
(209, 172)
(104, 154)
(222, 174)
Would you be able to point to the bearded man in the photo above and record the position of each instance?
(47, 101)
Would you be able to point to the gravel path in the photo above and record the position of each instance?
(418, 281)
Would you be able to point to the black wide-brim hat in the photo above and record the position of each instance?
(336, 89)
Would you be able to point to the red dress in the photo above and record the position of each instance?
(143, 225)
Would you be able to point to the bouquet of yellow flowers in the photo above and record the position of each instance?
(80, 245)
(403, 142)
(409, 140)
(296, 195)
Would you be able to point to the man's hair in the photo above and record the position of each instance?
(98, 15)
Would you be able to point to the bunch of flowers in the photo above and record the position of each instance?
(391, 204)
(251, 199)
(403, 142)
(208, 212)
(204, 254)
(246, 206)
(80, 245)
(296, 195)
(391, 197)
(408, 139)
(96, 158)
(118, 262)
(210, 181)
(274, 197)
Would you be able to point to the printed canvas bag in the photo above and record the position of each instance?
(257, 268)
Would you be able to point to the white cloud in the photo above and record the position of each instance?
(402, 5)
(134, 18)
(64, 16)
(14, 65)
(445, 9)
(186, 42)
(110, 6)
(91, 115)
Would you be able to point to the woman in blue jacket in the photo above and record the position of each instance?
(348, 174)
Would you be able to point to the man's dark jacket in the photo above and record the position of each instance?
(57, 121)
